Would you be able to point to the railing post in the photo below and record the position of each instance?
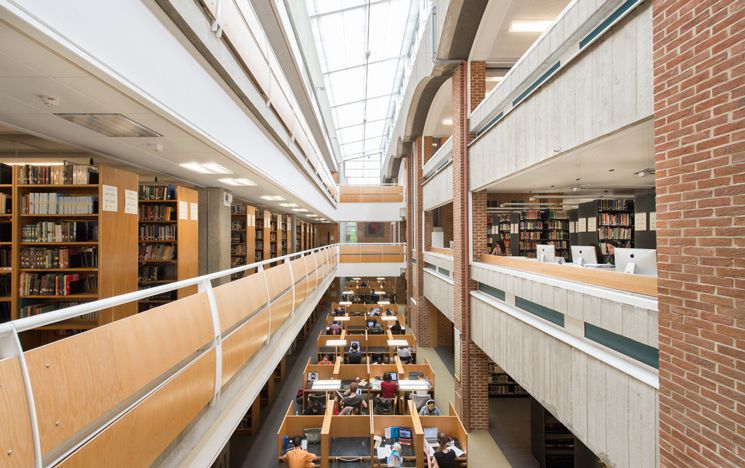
(10, 345)
(205, 286)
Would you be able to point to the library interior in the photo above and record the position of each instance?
(372, 233)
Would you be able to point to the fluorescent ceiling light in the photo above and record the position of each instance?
(111, 125)
(272, 197)
(288, 205)
(494, 79)
(530, 26)
(238, 182)
(205, 168)
(312, 215)
(34, 163)
(447, 121)
(299, 210)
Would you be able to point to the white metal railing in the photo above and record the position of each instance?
(442, 156)
(10, 345)
(238, 22)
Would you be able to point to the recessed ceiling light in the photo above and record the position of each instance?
(288, 205)
(205, 168)
(272, 197)
(447, 121)
(299, 210)
(312, 215)
(238, 182)
(111, 125)
(530, 26)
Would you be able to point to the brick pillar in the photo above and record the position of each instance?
(478, 222)
(444, 331)
(477, 83)
(428, 226)
(446, 221)
(410, 193)
(700, 174)
(422, 152)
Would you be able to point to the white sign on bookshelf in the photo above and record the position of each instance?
(571, 227)
(183, 210)
(582, 226)
(640, 221)
(130, 202)
(110, 198)
(194, 211)
(592, 224)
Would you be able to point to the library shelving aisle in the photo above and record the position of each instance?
(168, 230)
(242, 236)
(274, 234)
(531, 230)
(557, 232)
(77, 231)
(7, 245)
(498, 227)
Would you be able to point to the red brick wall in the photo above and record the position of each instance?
(478, 222)
(423, 151)
(699, 102)
(446, 222)
(477, 83)
(444, 331)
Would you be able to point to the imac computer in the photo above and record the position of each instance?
(584, 255)
(636, 261)
(546, 253)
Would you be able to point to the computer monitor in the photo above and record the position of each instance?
(644, 261)
(584, 255)
(430, 434)
(394, 376)
(370, 323)
(546, 253)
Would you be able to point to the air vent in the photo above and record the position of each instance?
(111, 125)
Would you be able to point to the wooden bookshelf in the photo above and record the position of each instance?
(242, 236)
(275, 234)
(168, 239)
(502, 385)
(8, 245)
(497, 227)
(286, 242)
(96, 253)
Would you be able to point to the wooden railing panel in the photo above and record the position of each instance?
(281, 309)
(370, 193)
(93, 372)
(140, 436)
(278, 279)
(242, 344)
(237, 299)
(16, 444)
(298, 272)
(310, 265)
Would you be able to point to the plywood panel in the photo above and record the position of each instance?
(15, 437)
(240, 345)
(139, 437)
(187, 249)
(239, 298)
(94, 371)
(281, 309)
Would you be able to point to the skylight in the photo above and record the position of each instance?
(360, 50)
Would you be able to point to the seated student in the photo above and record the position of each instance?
(444, 456)
(314, 409)
(349, 411)
(404, 353)
(429, 409)
(339, 311)
(610, 248)
(388, 311)
(354, 397)
(354, 355)
(396, 329)
(325, 361)
(354, 388)
(334, 329)
(395, 459)
(388, 388)
(374, 312)
(296, 457)
(376, 328)
(500, 249)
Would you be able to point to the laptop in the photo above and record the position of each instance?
(430, 435)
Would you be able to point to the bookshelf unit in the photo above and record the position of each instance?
(298, 235)
(260, 231)
(556, 225)
(497, 227)
(168, 239)
(8, 245)
(74, 240)
(502, 385)
(531, 231)
(242, 236)
(613, 220)
(286, 244)
(275, 234)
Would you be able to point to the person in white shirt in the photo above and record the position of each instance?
(404, 353)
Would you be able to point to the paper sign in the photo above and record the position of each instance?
(582, 226)
(652, 220)
(183, 210)
(110, 198)
(592, 224)
(640, 221)
(571, 227)
(194, 212)
(130, 202)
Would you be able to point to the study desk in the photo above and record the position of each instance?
(350, 447)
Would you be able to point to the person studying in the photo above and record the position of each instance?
(388, 388)
(354, 356)
(296, 457)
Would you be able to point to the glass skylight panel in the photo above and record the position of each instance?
(360, 43)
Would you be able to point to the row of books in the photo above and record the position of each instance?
(614, 233)
(36, 309)
(37, 257)
(557, 224)
(238, 249)
(530, 235)
(5, 203)
(616, 205)
(557, 235)
(558, 244)
(157, 252)
(237, 209)
(531, 225)
(67, 174)
(157, 273)
(157, 213)
(65, 231)
(557, 214)
(150, 232)
(615, 219)
(58, 203)
(6, 257)
(56, 284)
(157, 192)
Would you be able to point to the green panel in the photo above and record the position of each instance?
(639, 351)
(429, 266)
(546, 75)
(599, 29)
(541, 311)
(494, 292)
(443, 271)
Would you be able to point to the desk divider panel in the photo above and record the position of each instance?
(14, 414)
(141, 435)
(95, 371)
(237, 299)
(418, 433)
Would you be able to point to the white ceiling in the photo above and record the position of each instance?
(608, 163)
(440, 108)
(29, 70)
(495, 43)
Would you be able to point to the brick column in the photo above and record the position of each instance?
(428, 226)
(699, 106)
(477, 83)
(478, 223)
(410, 192)
(422, 152)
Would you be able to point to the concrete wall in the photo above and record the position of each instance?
(439, 189)
(439, 292)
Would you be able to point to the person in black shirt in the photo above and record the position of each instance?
(396, 329)
(610, 248)
(444, 456)
(354, 356)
